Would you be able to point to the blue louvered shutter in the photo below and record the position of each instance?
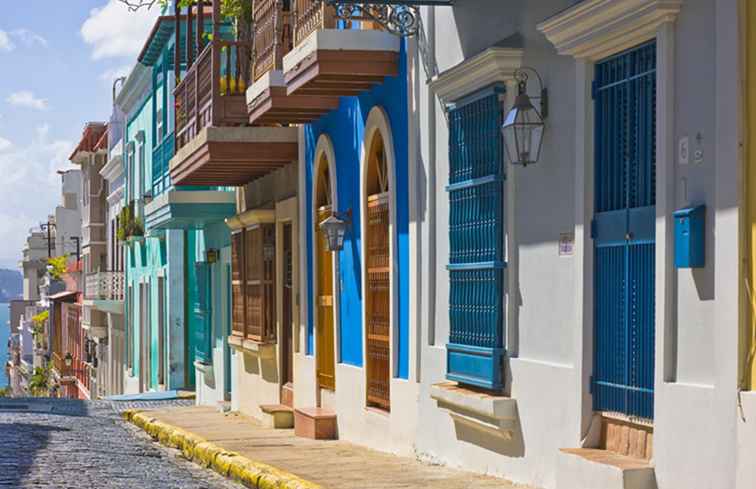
(476, 240)
(201, 312)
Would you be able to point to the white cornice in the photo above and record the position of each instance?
(135, 89)
(492, 65)
(595, 29)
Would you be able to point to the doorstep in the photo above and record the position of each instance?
(239, 447)
(594, 468)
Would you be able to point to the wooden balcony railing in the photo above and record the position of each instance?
(273, 38)
(311, 15)
(212, 92)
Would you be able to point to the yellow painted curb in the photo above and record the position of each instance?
(255, 475)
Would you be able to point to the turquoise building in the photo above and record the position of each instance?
(176, 266)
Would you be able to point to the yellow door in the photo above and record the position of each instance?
(325, 336)
(748, 346)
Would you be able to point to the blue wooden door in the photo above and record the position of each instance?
(623, 231)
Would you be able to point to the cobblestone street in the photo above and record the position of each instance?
(61, 444)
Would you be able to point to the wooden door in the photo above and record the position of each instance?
(326, 363)
(378, 302)
(287, 323)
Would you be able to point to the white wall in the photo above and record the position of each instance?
(696, 402)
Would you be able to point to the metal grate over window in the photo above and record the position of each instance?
(476, 240)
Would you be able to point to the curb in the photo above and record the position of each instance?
(255, 475)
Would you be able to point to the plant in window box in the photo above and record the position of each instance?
(129, 226)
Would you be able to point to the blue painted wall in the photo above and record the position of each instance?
(346, 128)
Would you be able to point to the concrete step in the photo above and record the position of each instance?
(315, 423)
(277, 416)
(592, 468)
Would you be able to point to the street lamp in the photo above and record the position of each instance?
(334, 229)
(524, 125)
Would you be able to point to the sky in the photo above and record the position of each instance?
(58, 61)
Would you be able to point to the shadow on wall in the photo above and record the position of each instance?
(492, 440)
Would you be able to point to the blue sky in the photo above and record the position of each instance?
(57, 64)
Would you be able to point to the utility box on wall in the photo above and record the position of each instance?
(690, 238)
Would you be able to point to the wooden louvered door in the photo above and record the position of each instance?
(287, 300)
(378, 302)
(260, 277)
(238, 304)
(326, 361)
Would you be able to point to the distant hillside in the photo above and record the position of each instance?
(11, 285)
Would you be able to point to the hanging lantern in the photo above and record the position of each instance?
(524, 125)
(334, 230)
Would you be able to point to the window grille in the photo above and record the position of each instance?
(476, 237)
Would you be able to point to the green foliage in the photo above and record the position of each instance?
(5, 392)
(41, 318)
(237, 9)
(39, 384)
(58, 265)
(128, 225)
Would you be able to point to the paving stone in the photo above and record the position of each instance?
(64, 444)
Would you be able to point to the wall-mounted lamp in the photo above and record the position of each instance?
(524, 125)
(212, 255)
(334, 229)
(68, 360)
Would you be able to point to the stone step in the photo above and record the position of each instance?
(315, 423)
(593, 468)
(277, 416)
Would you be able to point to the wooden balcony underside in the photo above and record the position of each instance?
(224, 163)
(340, 72)
(273, 106)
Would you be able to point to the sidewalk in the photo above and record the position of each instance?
(239, 447)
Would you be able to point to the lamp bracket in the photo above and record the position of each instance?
(521, 75)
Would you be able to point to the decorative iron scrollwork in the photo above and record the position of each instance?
(402, 20)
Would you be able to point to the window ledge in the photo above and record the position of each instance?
(493, 414)
(495, 64)
(263, 350)
(596, 29)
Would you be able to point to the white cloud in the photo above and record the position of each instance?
(109, 76)
(113, 31)
(25, 98)
(30, 189)
(24, 36)
(5, 144)
(5, 42)
(28, 37)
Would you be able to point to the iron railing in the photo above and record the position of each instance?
(105, 286)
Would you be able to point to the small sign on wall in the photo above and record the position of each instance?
(566, 244)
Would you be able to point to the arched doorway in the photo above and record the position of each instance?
(378, 275)
(324, 342)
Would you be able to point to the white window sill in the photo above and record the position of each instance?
(493, 414)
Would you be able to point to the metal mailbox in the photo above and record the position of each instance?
(690, 239)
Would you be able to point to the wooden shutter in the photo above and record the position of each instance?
(378, 301)
(476, 241)
(237, 284)
(260, 253)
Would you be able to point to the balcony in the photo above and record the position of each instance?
(267, 100)
(212, 91)
(214, 144)
(104, 292)
(332, 57)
